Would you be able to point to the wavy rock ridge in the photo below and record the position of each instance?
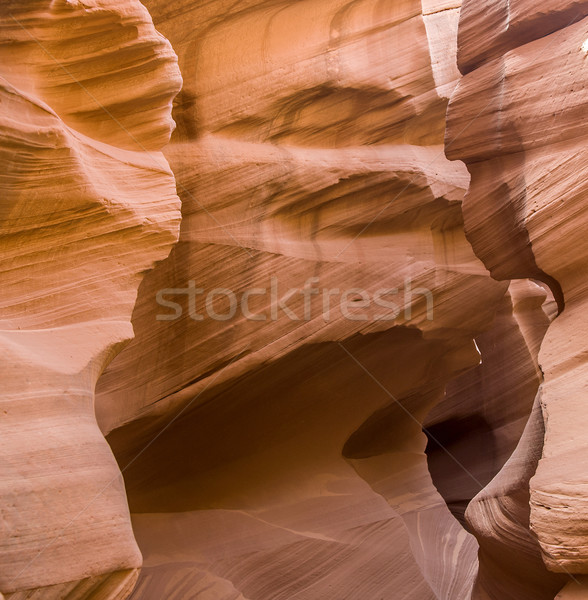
(299, 159)
(349, 377)
(521, 214)
(299, 156)
(87, 205)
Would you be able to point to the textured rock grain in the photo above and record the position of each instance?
(288, 437)
(523, 215)
(309, 150)
(86, 207)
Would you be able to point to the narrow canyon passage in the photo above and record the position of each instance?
(293, 300)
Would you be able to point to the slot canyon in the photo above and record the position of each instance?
(292, 300)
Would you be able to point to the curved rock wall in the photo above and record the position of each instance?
(305, 159)
(87, 204)
(358, 370)
(516, 119)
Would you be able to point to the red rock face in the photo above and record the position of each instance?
(348, 377)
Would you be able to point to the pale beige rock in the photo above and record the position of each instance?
(510, 557)
(575, 590)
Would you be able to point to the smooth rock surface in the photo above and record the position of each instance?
(305, 159)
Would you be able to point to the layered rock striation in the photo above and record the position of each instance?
(87, 205)
(308, 157)
(516, 120)
(358, 361)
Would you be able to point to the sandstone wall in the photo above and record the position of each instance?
(290, 438)
(87, 205)
(309, 145)
(516, 119)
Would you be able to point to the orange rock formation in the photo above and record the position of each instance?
(358, 360)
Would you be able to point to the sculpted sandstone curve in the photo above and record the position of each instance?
(358, 361)
(88, 204)
(308, 157)
(523, 215)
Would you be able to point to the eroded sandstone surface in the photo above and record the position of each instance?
(87, 204)
(522, 214)
(358, 361)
